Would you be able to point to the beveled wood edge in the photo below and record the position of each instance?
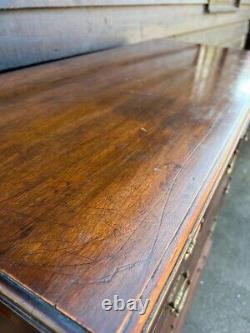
(38, 313)
(238, 132)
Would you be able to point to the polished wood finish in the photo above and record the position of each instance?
(107, 162)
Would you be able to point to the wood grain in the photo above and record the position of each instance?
(107, 161)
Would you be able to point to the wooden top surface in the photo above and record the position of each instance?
(106, 162)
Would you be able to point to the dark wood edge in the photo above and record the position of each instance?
(38, 313)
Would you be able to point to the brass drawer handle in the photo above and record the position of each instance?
(192, 244)
(178, 298)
